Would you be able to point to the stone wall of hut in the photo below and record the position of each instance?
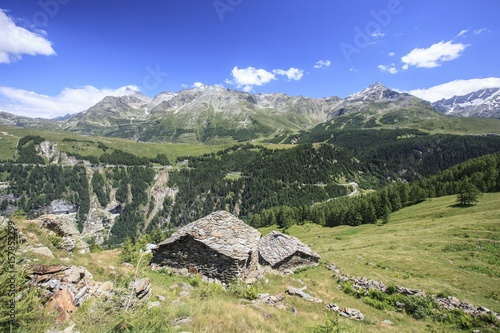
(187, 252)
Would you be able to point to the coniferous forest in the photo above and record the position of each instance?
(317, 182)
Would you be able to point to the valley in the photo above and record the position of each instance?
(369, 182)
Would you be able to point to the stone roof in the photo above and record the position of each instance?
(222, 232)
(276, 246)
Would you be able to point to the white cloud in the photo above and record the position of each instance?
(463, 32)
(433, 56)
(322, 63)
(480, 31)
(455, 88)
(388, 68)
(294, 74)
(30, 104)
(246, 78)
(16, 41)
(378, 34)
(391, 54)
(197, 85)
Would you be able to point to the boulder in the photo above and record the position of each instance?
(42, 250)
(346, 312)
(141, 288)
(62, 302)
(300, 292)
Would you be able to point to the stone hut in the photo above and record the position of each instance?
(219, 246)
(285, 253)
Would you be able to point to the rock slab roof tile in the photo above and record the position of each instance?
(222, 232)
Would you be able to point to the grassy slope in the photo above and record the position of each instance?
(423, 247)
(87, 145)
(407, 251)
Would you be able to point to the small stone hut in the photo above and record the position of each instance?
(285, 253)
(219, 246)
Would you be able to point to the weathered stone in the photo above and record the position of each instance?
(449, 303)
(213, 246)
(43, 250)
(79, 296)
(63, 226)
(104, 288)
(346, 312)
(154, 304)
(141, 288)
(182, 321)
(300, 292)
(126, 264)
(62, 302)
(61, 207)
(75, 274)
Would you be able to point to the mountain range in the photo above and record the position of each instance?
(481, 103)
(214, 114)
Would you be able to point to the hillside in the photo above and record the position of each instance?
(216, 115)
(116, 194)
(433, 246)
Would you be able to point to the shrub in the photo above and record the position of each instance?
(55, 240)
(419, 307)
(209, 290)
(331, 325)
(347, 288)
(391, 289)
(245, 291)
(195, 281)
(381, 305)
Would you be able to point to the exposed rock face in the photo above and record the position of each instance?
(285, 253)
(63, 226)
(481, 103)
(48, 150)
(219, 246)
(61, 207)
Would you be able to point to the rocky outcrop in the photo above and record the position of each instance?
(60, 207)
(48, 150)
(346, 312)
(450, 303)
(63, 226)
(276, 301)
(68, 287)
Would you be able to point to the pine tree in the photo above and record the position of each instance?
(468, 194)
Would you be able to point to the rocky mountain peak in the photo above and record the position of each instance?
(480, 103)
(372, 93)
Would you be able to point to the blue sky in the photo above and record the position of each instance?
(62, 56)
